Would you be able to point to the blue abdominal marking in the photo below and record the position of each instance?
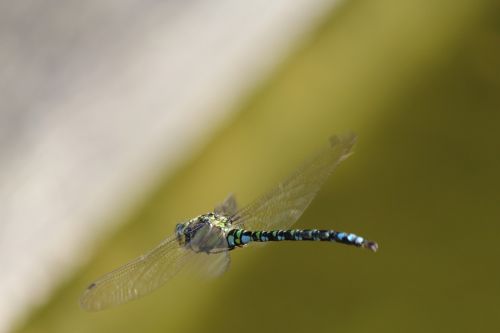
(241, 237)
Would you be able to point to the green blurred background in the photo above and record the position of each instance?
(419, 82)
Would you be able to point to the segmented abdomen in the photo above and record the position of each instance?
(240, 237)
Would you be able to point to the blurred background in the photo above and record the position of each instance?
(119, 119)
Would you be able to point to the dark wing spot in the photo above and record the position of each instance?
(92, 286)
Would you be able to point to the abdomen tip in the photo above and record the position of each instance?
(373, 246)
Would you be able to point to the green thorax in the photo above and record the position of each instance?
(204, 233)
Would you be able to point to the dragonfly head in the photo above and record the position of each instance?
(179, 232)
(178, 228)
(186, 231)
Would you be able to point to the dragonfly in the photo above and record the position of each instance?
(208, 238)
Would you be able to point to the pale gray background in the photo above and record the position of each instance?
(98, 97)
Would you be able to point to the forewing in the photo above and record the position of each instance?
(282, 206)
(136, 278)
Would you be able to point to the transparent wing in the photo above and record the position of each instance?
(136, 278)
(229, 207)
(209, 265)
(282, 206)
(212, 257)
(217, 264)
